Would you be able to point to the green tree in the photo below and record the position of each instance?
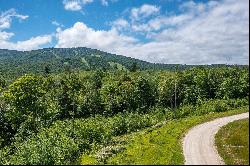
(89, 101)
(96, 79)
(70, 87)
(166, 89)
(133, 67)
(6, 131)
(2, 84)
(235, 84)
(145, 93)
(47, 69)
(24, 98)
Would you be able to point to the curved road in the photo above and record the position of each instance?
(198, 144)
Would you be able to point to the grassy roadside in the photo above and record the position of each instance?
(157, 145)
(232, 142)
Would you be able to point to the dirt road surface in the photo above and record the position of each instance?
(198, 144)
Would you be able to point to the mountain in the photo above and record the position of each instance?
(56, 60)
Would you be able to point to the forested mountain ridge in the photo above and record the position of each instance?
(55, 60)
(76, 58)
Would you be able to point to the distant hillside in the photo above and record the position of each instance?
(17, 63)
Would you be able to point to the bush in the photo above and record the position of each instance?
(184, 111)
(2, 84)
(64, 141)
(166, 90)
(6, 131)
(24, 100)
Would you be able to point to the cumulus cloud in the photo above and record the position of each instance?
(72, 5)
(30, 44)
(202, 33)
(75, 5)
(82, 36)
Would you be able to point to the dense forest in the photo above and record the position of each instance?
(52, 115)
(14, 64)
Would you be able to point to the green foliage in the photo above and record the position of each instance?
(64, 141)
(96, 78)
(133, 67)
(87, 108)
(2, 84)
(47, 69)
(6, 131)
(126, 94)
(118, 95)
(225, 83)
(196, 85)
(167, 90)
(235, 85)
(23, 97)
(89, 102)
(34, 101)
(146, 93)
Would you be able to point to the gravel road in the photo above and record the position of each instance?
(198, 144)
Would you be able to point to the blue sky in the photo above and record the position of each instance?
(165, 31)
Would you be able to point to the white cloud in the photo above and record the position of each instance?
(196, 8)
(5, 35)
(80, 35)
(30, 44)
(145, 10)
(218, 34)
(203, 33)
(72, 5)
(160, 22)
(57, 23)
(7, 16)
(120, 24)
(163, 21)
(106, 2)
(75, 5)
(137, 19)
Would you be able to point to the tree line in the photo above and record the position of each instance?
(35, 101)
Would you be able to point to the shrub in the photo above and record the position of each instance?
(6, 131)
(64, 141)
(24, 98)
